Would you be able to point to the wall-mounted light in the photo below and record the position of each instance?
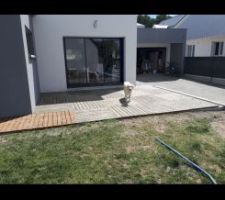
(95, 23)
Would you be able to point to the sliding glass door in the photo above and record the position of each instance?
(93, 61)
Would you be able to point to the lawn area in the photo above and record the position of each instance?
(117, 151)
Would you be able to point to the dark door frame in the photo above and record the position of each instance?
(121, 40)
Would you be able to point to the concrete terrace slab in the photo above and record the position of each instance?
(152, 95)
(205, 91)
(106, 103)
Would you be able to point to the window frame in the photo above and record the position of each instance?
(220, 48)
(30, 43)
(122, 62)
(191, 53)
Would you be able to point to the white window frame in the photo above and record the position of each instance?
(220, 50)
(190, 50)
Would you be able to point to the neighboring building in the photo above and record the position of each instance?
(205, 33)
(58, 53)
(140, 25)
(205, 51)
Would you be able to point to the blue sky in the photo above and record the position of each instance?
(155, 15)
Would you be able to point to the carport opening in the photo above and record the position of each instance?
(151, 60)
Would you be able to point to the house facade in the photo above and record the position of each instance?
(92, 39)
(206, 47)
(44, 49)
(205, 33)
(61, 53)
(205, 54)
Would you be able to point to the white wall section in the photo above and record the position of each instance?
(203, 45)
(49, 31)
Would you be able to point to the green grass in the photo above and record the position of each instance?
(107, 152)
(199, 126)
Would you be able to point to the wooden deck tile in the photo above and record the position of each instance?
(36, 121)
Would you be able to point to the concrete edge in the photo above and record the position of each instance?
(211, 108)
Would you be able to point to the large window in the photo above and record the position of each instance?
(93, 61)
(217, 48)
(30, 43)
(191, 50)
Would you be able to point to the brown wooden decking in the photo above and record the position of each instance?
(36, 121)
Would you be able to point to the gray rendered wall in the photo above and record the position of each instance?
(177, 52)
(205, 66)
(150, 35)
(14, 99)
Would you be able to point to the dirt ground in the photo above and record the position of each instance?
(160, 122)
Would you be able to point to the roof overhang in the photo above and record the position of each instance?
(150, 35)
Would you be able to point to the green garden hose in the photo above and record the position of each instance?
(192, 164)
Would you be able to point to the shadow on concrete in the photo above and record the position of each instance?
(148, 78)
(6, 119)
(76, 96)
(205, 82)
(123, 102)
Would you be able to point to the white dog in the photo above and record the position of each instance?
(128, 87)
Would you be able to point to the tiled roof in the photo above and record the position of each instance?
(172, 21)
(199, 26)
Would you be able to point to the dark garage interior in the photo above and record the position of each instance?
(151, 60)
